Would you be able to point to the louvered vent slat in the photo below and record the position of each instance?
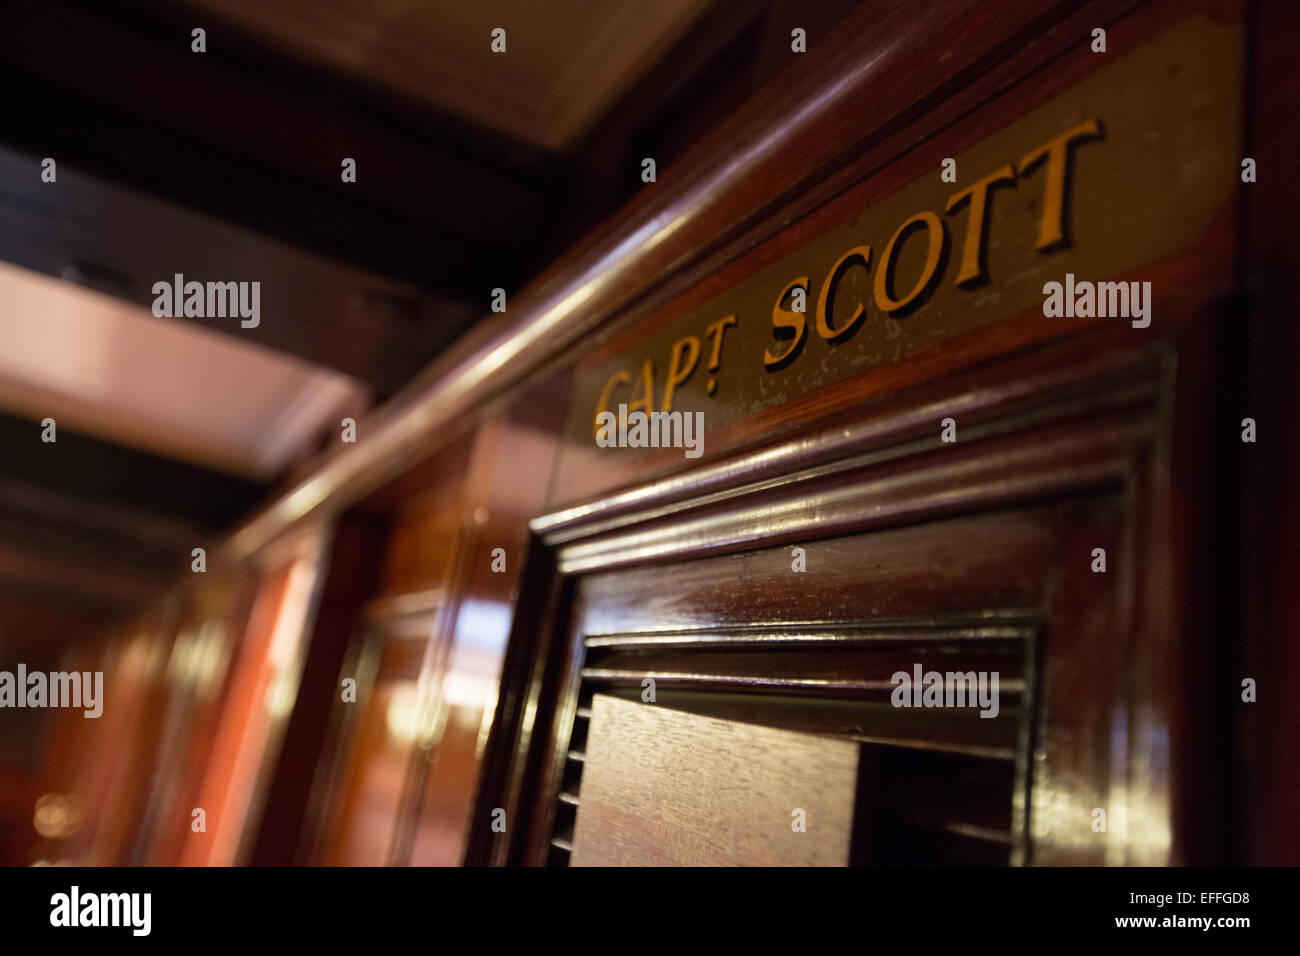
(935, 786)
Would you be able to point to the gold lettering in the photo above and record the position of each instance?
(606, 394)
(972, 256)
(717, 330)
(1052, 226)
(679, 370)
(786, 319)
(646, 383)
(826, 298)
(938, 237)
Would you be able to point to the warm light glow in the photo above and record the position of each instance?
(403, 716)
(57, 816)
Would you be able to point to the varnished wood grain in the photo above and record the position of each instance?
(1125, 692)
(1200, 271)
(289, 815)
(719, 566)
(665, 788)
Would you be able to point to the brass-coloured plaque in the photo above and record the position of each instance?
(1126, 169)
(662, 787)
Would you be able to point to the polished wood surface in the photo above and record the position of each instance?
(641, 608)
(351, 578)
(375, 747)
(666, 788)
(1100, 419)
(509, 578)
(679, 358)
(1203, 270)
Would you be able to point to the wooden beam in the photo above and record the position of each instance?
(242, 132)
(364, 325)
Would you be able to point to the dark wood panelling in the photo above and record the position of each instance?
(642, 605)
(1267, 558)
(902, 570)
(1037, 71)
(988, 400)
(981, 552)
(810, 665)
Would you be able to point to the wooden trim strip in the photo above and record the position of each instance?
(1070, 459)
(1014, 395)
(786, 636)
(1014, 686)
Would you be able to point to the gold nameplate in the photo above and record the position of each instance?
(1125, 170)
(665, 788)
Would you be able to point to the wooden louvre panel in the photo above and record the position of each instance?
(745, 639)
(792, 602)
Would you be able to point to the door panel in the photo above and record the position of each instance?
(793, 598)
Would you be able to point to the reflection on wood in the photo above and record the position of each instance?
(378, 753)
(666, 788)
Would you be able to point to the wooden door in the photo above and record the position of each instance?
(787, 586)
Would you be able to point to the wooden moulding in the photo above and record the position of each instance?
(1077, 422)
